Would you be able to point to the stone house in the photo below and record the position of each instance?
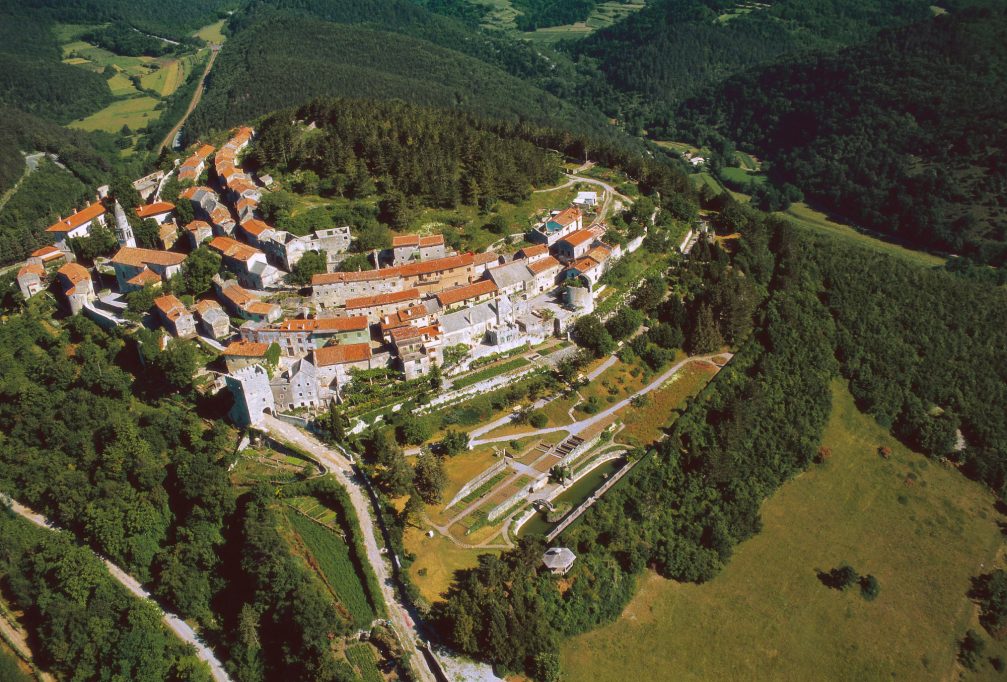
(135, 267)
(75, 282)
(212, 319)
(239, 354)
(174, 316)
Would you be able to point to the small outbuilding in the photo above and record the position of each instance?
(559, 560)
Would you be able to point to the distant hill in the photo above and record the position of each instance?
(672, 48)
(904, 134)
(290, 59)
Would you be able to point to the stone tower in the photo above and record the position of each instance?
(123, 230)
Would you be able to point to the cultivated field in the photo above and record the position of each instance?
(921, 528)
(337, 566)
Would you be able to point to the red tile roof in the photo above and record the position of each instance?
(47, 253)
(197, 225)
(170, 306)
(247, 349)
(255, 227)
(484, 258)
(342, 354)
(532, 251)
(540, 266)
(144, 277)
(579, 237)
(87, 214)
(566, 216)
(233, 248)
(464, 293)
(204, 306)
(130, 255)
(325, 324)
(156, 208)
(31, 268)
(343, 277)
(383, 299)
(431, 266)
(74, 273)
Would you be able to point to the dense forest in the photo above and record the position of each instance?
(656, 57)
(84, 625)
(903, 135)
(290, 59)
(426, 157)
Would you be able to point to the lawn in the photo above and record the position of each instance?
(922, 529)
(806, 217)
(645, 424)
(339, 569)
(602, 16)
(463, 467)
(701, 179)
(437, 559)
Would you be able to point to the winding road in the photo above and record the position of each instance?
(339, 465)
(174, 623)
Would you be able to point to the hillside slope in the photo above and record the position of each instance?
(290, 59)
(904, 135)
(670, 49)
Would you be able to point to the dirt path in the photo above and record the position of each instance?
(196, 96)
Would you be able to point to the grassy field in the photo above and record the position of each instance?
(700, 179)
(602, 16)
(337, 566)
(135, 112)
(741, 175)
(437, 559)
(168, 77)
(804, 216)
(922, 529)
(121, 86)
(212, 33)
(645, 424)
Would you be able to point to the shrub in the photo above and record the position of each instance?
(869, 587)
(538, 420)
(970, 649)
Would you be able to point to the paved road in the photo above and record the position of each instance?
(577, 427)
(174, 623)
(340, 466)
(196, 96)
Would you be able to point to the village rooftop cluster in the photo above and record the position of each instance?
(420, 300)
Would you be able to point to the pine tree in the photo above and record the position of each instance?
(705, 337)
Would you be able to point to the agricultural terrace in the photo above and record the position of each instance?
(139, 85)
(922, 529)
(495, 484)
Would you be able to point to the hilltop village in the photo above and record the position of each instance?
(420, 302)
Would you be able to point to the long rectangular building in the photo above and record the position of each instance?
(429, 277)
